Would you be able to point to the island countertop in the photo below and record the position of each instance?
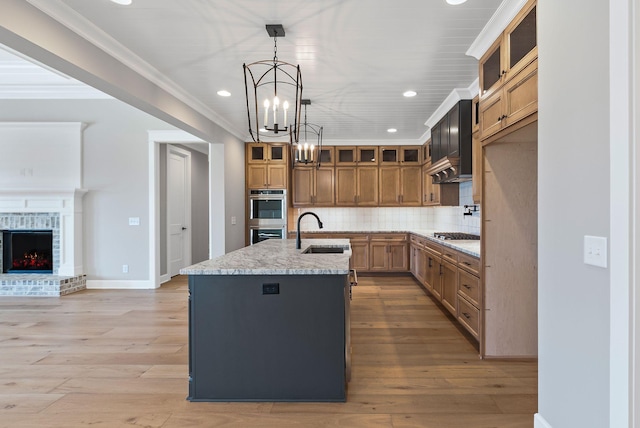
(277, 257)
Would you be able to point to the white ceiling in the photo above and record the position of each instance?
(357, 57)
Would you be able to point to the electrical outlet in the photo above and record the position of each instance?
(134, 221)
(595, 251)
(125, 268)
(234, 220)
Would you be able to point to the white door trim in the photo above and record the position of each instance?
(623, 212)
(187, 208)
(216, 196)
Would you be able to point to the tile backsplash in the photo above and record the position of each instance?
(445, 219)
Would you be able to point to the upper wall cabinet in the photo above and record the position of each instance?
(266, 166)
(515, 49)
(509, 79)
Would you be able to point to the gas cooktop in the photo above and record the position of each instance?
(455, 235)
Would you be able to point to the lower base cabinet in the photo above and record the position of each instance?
(452, 277)
(372, 252)
(389, 253)
(449, 281)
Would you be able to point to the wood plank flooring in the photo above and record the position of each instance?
(118, 358)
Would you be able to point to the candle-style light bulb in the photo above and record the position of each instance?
(276, 103)
(266, 113)
(299, 152)
(285, 107)
(312, 148)
(306, 152)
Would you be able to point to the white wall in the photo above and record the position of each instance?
(115, 174)
(573, 187)
(234, 193)
(443, 219)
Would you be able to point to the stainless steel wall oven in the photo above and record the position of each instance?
(267, 214)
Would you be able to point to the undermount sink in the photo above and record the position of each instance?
(315, 249)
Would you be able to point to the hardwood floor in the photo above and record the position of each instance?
(110, 358)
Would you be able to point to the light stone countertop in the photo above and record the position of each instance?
(470, 247)
(277, 257)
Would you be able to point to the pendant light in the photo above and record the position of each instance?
(274, 93)
(309, 147)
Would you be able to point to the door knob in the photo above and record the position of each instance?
(184, 228)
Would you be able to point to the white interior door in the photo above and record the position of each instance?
(178, 209)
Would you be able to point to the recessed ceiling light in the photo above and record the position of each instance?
(224, 93)
(392, 130)
(410, 94)
(123, 2)
(456, 2)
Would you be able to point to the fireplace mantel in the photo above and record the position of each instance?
(67, 203)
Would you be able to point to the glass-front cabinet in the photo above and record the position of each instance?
(516, 48)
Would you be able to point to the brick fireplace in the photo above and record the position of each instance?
(57, 212)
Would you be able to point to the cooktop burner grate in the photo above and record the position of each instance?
(455, 235)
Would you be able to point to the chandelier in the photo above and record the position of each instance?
(308, 149)
(276, 86)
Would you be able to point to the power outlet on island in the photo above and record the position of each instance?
(595, 251)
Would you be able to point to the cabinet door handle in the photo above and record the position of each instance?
(466, 315)
(430, 262)
(466, 263)
(468, 287)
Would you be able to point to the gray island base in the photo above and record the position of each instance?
(270, 337)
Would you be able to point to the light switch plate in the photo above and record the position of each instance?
(595, 251)
(234, 220)
(134, 221)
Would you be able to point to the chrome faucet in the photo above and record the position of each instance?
(298, 241)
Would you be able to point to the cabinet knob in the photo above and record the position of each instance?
(503, 72)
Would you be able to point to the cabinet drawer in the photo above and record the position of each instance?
(469, 263)
(469, 287)
(450, 255)
(435, 248)
(469, 317)
(352, 236)
(388, 237)
(418, 240)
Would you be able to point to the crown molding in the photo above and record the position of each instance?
(51, 92)
(505, 13)
(96, 36)
(456, 95)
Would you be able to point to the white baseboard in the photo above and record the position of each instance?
(540, 422)
(120, 285)
(165, 278)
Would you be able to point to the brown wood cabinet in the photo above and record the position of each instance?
(266, 176)
(345, 156)
(449, 281)
(516, 100)
(438, 194)
(356, 180)
(313, 186)
(356, 186)
(389, 253)
(514, 49)
(509, 77)
(266, 166)
(452, 277)
(367, 155)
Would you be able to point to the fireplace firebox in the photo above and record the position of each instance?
(27, 251)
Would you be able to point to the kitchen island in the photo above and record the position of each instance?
(270, 322)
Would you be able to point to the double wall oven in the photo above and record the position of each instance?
(267, 214)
